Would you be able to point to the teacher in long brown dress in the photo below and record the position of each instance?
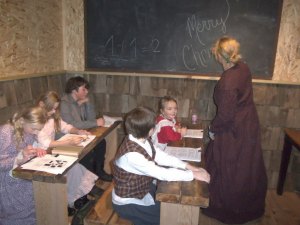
(234, 157)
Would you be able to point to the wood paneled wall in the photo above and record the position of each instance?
(15, 94)
(278, 105)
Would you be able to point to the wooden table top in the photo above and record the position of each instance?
(185, 192)
(100, 132)
(294, 135)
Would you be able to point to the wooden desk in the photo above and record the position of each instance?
(50, 190)
(181, 200)
(291, 138)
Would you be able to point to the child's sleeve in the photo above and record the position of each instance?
(140, 165)
(44, 137)
(168, 134)
(164, 159)
(7, 156)
(65, 127)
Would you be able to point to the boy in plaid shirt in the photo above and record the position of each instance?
(138, 164)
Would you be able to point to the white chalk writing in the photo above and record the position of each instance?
(196, 27)
(125, 50)
(195, 57)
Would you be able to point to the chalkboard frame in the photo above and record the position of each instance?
(267, 76)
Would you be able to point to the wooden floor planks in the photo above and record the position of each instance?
(280, 210)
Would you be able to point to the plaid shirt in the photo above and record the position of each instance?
(130, 185)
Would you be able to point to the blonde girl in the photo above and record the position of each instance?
(16, 147)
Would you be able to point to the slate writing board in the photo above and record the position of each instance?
(175, 36)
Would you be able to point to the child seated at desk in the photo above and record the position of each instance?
(166, 129)
(80, 181)
(136, 166)
(78, 109)
(16, 147)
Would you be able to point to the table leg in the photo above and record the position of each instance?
(50, 203)
(285, 158)
(177, 214)
(111, 148)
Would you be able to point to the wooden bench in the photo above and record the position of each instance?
(103, 214)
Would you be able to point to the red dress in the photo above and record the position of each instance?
(234, 159)
(164, 132)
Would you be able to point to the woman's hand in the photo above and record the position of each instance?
(211, 135)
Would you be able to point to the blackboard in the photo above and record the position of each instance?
(175, 36)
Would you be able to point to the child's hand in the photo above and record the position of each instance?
(83, 132)
(177, 126)
(77, 140)
(202, 175)
(80, 102)
(192, 168)
(29, 152)
(182, 131)
(40, 152)
(100, 122)
(72, 141)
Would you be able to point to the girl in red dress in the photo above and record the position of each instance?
(166, 128)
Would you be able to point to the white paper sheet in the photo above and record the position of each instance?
(110, 120)
(184, 153)
(55, 164)
(194, 133)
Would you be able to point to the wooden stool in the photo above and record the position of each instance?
(103, 213)
(291, 138)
